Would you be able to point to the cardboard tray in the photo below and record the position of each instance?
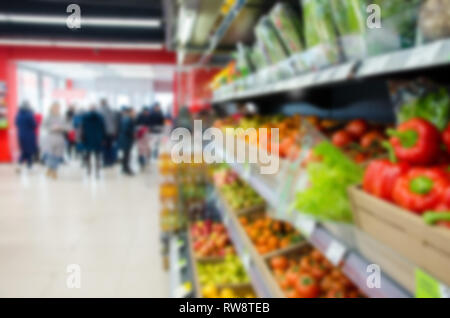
(406, 233)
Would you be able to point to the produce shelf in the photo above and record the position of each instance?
(425, 56)
(342, 243)
(253, 263)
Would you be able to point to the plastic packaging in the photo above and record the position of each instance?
(398, 26)
(266, 33)
(320, 34)
(434, 20)
(350, 21)
(288, 26)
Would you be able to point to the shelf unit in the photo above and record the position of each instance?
(426, 56)
(178, 250)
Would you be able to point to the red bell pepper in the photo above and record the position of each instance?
(416, 141)
(446, 137)
(421, 189)
(380, 177)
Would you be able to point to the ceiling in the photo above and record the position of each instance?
(105, 9)
(90, 71)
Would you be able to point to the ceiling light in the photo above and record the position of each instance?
(84, 44)
(106, 22)
(186, 23)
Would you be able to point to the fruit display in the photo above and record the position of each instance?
(210, 239)
(308, 274)
(416, 177)
(240, 196)
(228, 271)
(210, 290)
(268, 234)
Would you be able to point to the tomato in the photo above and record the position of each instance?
(318, 271)
(292, 293)
(326, 283)
(371, 138)
(305, 264)
(279, 262)
(291, 278)
(342, 138)
(307, 286)
(357, 128)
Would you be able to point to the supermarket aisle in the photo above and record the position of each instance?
(110, 228)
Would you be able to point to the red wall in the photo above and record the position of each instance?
(193, 88)
(9, 55)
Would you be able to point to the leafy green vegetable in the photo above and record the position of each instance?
(348, 16)
(434, 107)
(288, 26)
(327, 196)
(318, 23)
(266, 33)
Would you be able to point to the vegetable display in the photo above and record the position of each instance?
(329, 176)
(266, 33)
(311, 275)
(416, 141)
(434, 107)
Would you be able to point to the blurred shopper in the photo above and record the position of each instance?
(111, 122)
(144, 117)
(156, 128)
(38, 120)
(184, 119)
(126, 138)
(77, 121)
(143, 145)
(70, 136)
(55, 142)
(26, 126)
(93, 132)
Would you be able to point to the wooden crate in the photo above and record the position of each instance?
(406, 233)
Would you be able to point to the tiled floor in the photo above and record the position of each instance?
(108, 227)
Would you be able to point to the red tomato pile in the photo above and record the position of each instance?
(417, 176)
(360, 139)
(311, 276)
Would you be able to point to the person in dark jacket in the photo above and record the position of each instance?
(93, 134)
(126, 138)
(156, 128)
(26, 126)
(144, 118)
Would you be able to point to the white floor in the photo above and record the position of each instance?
(108, 227)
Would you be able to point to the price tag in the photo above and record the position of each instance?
(335, 252)
(305, 224)
(306, 80)
(246, 261)
(428, 287)
(246, 171)
(226, 219)
(424, 55)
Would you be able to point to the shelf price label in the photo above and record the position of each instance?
(305, 224)
(375, 65)
(428, 287)
(246, 260)
(335, 252)
(246, 172)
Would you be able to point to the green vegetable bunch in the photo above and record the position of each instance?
(327, 197)
(434, 107)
